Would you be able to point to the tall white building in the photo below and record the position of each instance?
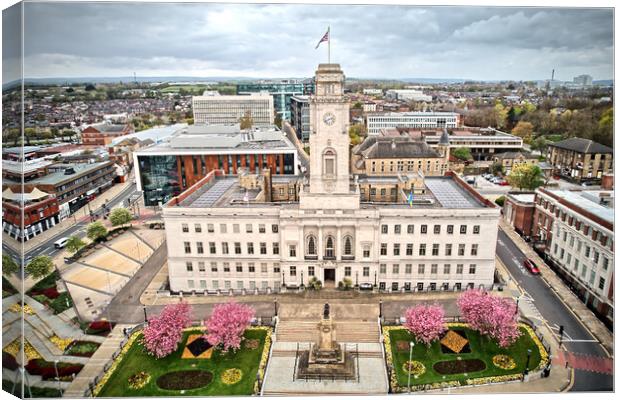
(408, 95)
(376, 122)
(583, 80)
(228, 110)
(237, 234)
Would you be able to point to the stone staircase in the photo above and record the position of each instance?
(347, 331)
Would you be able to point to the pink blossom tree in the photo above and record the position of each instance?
(163, 332)
(490, 315)
(227, 324)
(425, 322)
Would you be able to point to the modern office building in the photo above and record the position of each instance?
(166, 169)
(583, 80)
(282, 93)
(300, 116)
(575, 230)
(407, 95)
(484, 143)
(376, 122)
(230, 234)
(228, 110)
(579, 159)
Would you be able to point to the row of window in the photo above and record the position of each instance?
(262, 249)
(236, 228)
(460, 250)
(396, 229)
(591, 253)
(566, 259)
(447, 269)
(238, 267)
(252, 285)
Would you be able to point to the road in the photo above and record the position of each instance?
(576, 339)
(79, 228)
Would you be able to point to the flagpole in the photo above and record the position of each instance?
(329, 44)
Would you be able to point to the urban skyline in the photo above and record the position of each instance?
(220, 40)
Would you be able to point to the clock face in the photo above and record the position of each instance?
(329, 118)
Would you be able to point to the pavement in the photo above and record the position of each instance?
(584, 334)
(75, 224)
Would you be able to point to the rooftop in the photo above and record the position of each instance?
(589, 201)
(225, 192)
(415, 114)
(106, 127)
(580, 145)
(376, 147)
(155, 134)
(195, 139)
(54, 178)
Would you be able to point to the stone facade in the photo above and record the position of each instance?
(227, 237)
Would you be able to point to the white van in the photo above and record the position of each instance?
(60, 243)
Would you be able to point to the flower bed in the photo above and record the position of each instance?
(451, 369)
(62, 344)
(101, 328)
(185, 380)
(504, 361)
(30, 352)
(459, 366)
(9, 361)
(81, 348)
(139, 380)
(134, 358)
(48, 372)
(414, 368)
(231, 376)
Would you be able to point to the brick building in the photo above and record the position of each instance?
(519, 212)
(580, 159)
(103, 133)
(40, 212)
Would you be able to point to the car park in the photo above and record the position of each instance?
(530, 266)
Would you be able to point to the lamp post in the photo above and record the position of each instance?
(283, 280)
(57, 377)
(302, 279)
(356, 279)
(380, 308)
(375, 278)
(411, 344)
(144, 309)
(275, 307)
(517, 308)
(527, 362)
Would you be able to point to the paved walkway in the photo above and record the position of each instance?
(592, 323)
(585, 362)
(79, 387)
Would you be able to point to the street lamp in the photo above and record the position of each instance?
(527, 363)
(375, 278)
(517, 308)
(283, 280)
(356, 279)
(144, 309)
(57, 377)
(411, 344)
(380, 308)
(275, 307)
(302, 279)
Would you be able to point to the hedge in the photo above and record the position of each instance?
(47, 371)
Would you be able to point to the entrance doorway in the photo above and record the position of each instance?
(329, 277)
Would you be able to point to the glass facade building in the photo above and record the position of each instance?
(281, 92)
(159, 177)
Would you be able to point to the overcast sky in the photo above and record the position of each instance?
(150, 39)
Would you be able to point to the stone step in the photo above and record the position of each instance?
(346, 331)
(292, 353)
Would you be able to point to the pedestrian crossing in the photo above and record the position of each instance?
(584, 362)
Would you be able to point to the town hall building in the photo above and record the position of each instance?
(258, 232)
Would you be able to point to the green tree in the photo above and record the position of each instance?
(500, 201)
(278, 121)
(462, 153)
(526, 176)
(497, 168)
(96, 231)
(315, 283)
(9, 265)
(120, 217)
(501, 115)
(39, 267)
(355, 133)
(540, 144)
(74, 243)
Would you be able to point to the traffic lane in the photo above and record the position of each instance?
(554, 311)
(586, 381)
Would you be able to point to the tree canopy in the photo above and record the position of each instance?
(39, 267)
(120, 216)
(96, 231)
(74, 243)
(526, 176)
(462, 153)
(9, 265)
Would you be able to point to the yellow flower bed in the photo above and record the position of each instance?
(414, 368)
(18, 309)
(114, 365)
(29, 351)
(504, 361)
(264, 357)
(494, 379)
(454, 341)
(139, 380)
(544, 356)
(231, 376)
(62, 344)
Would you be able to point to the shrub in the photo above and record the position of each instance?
(50, 293)
(8, 361)
(47, 371)
(184, 380)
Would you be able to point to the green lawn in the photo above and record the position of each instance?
(481, 348)
(137, 360)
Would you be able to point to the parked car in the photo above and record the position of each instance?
(503, 183)
(470, 179)
(365, 286)
(61, 243)
(530, 266)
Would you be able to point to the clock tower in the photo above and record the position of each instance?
(329, 141)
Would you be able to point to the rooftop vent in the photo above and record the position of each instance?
(69, 171)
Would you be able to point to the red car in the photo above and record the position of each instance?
(530, 266)
(503, 183)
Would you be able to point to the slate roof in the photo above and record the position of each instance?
(580, 145)
(394, 147)
(515, 154)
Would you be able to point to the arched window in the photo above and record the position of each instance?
(329, 162)
(329, 247)
(311, 246)
(348, 248)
